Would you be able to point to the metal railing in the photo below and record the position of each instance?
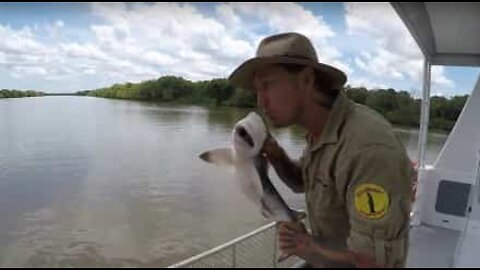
(258, 248)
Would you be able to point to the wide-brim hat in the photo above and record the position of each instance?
(286, 48)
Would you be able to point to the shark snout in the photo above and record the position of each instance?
(205, 156)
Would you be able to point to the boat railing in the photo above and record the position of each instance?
(258, 248)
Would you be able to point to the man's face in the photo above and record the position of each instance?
(278, 94)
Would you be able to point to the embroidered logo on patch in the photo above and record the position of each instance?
(371, 201)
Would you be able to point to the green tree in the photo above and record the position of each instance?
(359, 95)
(220, 90)
(243, 98)
(398, 107)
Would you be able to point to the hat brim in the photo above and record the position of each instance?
(243, 75)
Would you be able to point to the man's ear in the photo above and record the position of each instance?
(306, 81)
(307, 77)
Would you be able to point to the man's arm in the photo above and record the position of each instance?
(288, 171)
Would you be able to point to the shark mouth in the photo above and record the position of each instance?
(245, 136)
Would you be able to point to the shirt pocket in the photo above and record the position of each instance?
(327, 191)
(324, 189)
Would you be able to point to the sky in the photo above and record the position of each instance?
(68, 47)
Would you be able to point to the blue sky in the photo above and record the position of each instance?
(66, 47)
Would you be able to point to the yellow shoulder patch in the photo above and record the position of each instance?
(371, 201)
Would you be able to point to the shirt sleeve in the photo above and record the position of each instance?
(376, 182)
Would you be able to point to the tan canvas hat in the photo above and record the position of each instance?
(286, 48)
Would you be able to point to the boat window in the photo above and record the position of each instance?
(452, 198)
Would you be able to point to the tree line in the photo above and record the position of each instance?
(6, 93)
(217, 92)
(398, 107)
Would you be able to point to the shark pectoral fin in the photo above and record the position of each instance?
(265, 214)
(220, 156)
(266, 211)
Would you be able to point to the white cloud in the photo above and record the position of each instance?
(19, 41)
(169, 37)
(366, 82)
(90, 71)
(283, 17)
(395, 55)
(228, 16)
(30, 70)
(59, 23)
(139, 41)
(178, 38)
(83, 51)
(157, 58)
(439, 78)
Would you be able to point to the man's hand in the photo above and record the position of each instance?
(293, 239)
(271, 149)
(288, 171)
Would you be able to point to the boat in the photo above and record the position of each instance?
(445, 219)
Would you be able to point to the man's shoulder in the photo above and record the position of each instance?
(364, 127)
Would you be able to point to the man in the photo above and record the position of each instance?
(354, 172)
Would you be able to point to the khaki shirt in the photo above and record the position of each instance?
(357, 181)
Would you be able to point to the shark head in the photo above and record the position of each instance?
(248, 136)
(251, 169)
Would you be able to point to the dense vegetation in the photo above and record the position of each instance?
(399, 107)
(5, 93)
(169, 88)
